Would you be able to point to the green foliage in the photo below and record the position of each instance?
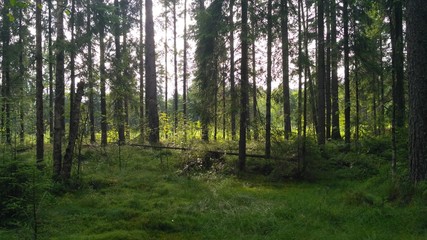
(15, 180)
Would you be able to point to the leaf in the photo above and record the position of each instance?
(11, 17)
(68, 12)
(12, 3)
(40, 6)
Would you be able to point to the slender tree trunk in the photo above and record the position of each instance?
(320, 75)
(224, 113)
(166, 62)
(417, 62)
(346, 74)
(39, 88)
(300, 70)
(22, 81)
(119, 101)
(232, 73)
(397, 62)
(102, 77)
(150, 75)
(141, 75)
(269, 78)
(72, 55)
(184, 80)
(90, 75)
(74, 133)
(381, 87)
(175, 65)
(6, 82)
(336, 133)
(328, 71)
(50, 57)
(254, 74)
(244, 87)
(59, 91)
(285, 68)
(307, 71)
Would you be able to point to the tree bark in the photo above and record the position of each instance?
(285, 68)
(91, 106)
(118, 84)
(346, 74)
(59, 91)
(150, 75)
(320, 75)
(39, 87)
(269, 78)
(102, 77)
(232, 73)
(6, 81)
(244, 87)
(74, 133)
(141, 75)
(336, 133)
(417, 73)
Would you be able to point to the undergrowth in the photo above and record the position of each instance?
(136, 193)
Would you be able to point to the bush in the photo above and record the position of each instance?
(15, 187)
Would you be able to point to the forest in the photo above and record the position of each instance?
(213, 119)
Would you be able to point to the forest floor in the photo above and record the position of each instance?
(143, 194)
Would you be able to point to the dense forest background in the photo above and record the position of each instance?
(272, 80)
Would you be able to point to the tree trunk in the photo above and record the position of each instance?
(285, 67)
(346, 74)
(119, 101)
(232, 73)
(141, 75)
(6, 81)
(320, 75)
(72, 55)
(50, 57)
(184, 77)
(90, 76)
(254, 74)
(150, 74)
(328, 71)
(175, 65)
(269, 77)
(397, 62)
(336, 133)
(244, 88)
(417, 62)
(102, 77)
(59, 91)
(74, 133)
(39, 88)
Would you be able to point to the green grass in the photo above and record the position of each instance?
(147, 199)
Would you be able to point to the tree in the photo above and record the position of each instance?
(150, 75)
(91, 106)
(417, 73)
(320, 75)
(346, 74)
(244, 87)
(39, 87)
(184, 77)
(101, 19)
(232, 73)
(59, 126)
(141, 75)
(175, 66)
(118, 78)
(269, 78)
(334, 75)
(6, 82)
(285, 67)
(74, 132)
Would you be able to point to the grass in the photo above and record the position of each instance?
(137, 196)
